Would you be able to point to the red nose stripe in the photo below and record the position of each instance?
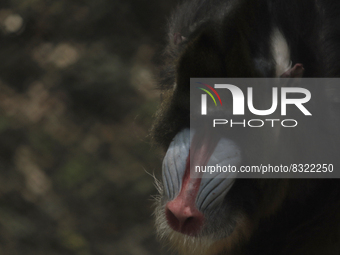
(182, 213)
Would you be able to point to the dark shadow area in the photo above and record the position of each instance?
(77, 95)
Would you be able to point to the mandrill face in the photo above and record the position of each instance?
(203, 215)
(199, 215)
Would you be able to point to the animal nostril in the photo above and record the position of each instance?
(188, 220)
(185, 220)
(191, 221)
(172, 220)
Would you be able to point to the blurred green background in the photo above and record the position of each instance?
(77, 95)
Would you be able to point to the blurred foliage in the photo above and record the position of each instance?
(76, 102)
